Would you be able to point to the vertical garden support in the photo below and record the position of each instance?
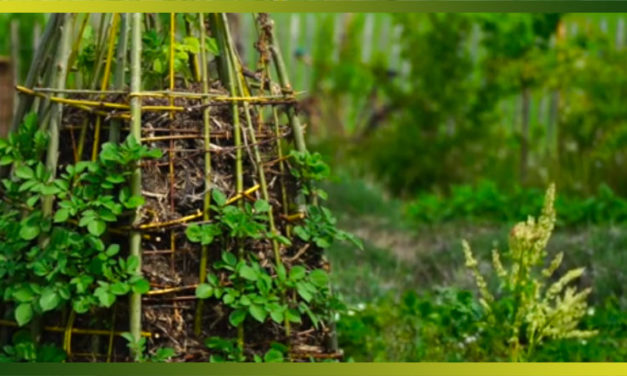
(136, 189)
(61, 67)
(236, 68)
(44, 48)
(105, 81)
(221, 29)
(52, 154)
(297, 129)
(118, 77)
(202, 274)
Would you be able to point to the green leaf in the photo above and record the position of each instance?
(106, 215)
(31, 201)
(212, 46)
(134, 202)
(293, 315)
(228, 298)
(132, 263)
(157, 66)
(154, 153)
(277, 315)
(192, 43)
(302, 233)
(82, 304)
(24, 172)
(204, 291)
(29, 231)
(163, 354)
(281, 272)
(23, 314)
(258, 313)
(115, 178)
(82, 282)
(262, 206)
(141, 286)
(218, 197)
(273, 356)
(112, 250)
(95, 242)
(303, 291)
(61, 215)
(120, 288)
(49, 189)
(248, 273)
(203, 234)
(237, 317)
(6, 160)
(49, 300)
(23, 295)
(322, 242)
(312, 316)
(105, 297)
(298, 272)
(319, 278)
(229, 258)
(96, 227)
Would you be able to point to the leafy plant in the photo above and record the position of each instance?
(251, 291)
(275, 354)
(310, 168)
(24, 349)
(440, 325)
(319, 227)
(226, 350)
(138, 347)
(246, 287)
(156, 54)
(529, 308)
(64, 258)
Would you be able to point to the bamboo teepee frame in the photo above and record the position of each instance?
(239, 110)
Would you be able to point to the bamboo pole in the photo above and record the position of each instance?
(77, 42)
(204, 257)
(100, 43)
(297, 129)
(136, 183)
(15, 56)
(59, 329)
(105, 82)
(236, 67)
(221, 30)
(114, 130)
(37, 64)
(52, 155)
(171, 143)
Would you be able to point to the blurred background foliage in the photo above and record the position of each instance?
(448, 126)
(440, 127)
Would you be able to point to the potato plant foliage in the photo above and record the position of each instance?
(255, 292)
(50, 261)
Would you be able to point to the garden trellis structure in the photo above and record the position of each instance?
(201, 244)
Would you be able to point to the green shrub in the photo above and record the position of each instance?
(437, 326)
(485, 202)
